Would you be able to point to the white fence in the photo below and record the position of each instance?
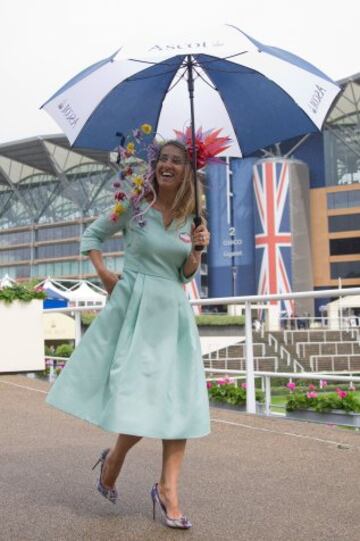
(248, 301)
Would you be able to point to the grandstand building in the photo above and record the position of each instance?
(50, 192)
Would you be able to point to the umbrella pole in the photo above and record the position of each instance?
(190, 83)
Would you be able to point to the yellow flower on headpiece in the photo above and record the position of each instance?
(138, 181)
(130, 147)
(119, 209)
(146, 128)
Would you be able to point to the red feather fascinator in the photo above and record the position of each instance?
(208, 145)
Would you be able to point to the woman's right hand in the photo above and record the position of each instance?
(109, 279)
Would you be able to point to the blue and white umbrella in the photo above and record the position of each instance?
(260, 95)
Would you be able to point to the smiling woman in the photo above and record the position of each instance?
(138, 370)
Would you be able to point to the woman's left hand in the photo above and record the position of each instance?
(200, 235)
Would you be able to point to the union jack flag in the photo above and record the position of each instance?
(273, 240)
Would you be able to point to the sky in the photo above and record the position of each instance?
(44, 43)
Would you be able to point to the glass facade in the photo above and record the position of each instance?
(344, 222)
(345, 246)
(82, 189)
(57, 233)
(52, 251)
(345, 269)
(343, 200)
(13, 238)
(18, 254)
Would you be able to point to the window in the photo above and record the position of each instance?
(343, 200)
(58, 233)
(345, 246)
(346, 222)
(345, 269)
(16, 237)
(51, 251)
(8, 256)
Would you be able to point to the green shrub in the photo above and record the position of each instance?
(64, 350)
(20, 293)
(322, 402)
(226, 390)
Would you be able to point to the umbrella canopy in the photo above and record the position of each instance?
(260, 95)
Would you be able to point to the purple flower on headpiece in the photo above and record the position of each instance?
(153, 151)
(137, 135)
(117, 184)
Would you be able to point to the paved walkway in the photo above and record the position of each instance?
(252, 479)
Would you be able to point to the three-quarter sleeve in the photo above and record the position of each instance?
(100, 230)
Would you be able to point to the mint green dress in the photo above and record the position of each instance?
(138, 369)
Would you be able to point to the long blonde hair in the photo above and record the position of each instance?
(184, 202)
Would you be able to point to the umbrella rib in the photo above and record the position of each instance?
(154, 63)
(136, 78)
(205, 81)
(216, 59)
(177, 82)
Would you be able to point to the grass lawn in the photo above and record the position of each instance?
(278, 404)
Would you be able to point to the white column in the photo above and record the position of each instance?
(249, 355)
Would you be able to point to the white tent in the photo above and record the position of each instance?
(84, 295)
(6, 281)
(336, 309)
(53, 291)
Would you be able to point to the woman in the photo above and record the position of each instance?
(138, 370)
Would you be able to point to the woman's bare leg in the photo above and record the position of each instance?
(115, 459)
(173, 454)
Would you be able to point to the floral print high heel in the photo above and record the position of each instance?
(110, 494)
(181, 523)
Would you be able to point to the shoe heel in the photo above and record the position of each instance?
(154, 509)
(96, 463)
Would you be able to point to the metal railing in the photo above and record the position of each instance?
(251, 299)
(302, 347)
(289, 336)
(316, 360)
(247, 301)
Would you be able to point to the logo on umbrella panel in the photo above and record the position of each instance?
(68, 112)
(194, 45)
(317, 98)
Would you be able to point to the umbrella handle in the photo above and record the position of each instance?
(197, 222)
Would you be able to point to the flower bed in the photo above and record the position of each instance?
(341, 407)
(225, 392)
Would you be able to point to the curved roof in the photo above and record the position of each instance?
(43, 154)
(346, 109)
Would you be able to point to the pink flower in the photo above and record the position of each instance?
(352, 386)
(221, 381)
(244, 385)
(312, 387)
(311, 394)
(209, 384)
(291, 385)
(323, 383)
(341, 394)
